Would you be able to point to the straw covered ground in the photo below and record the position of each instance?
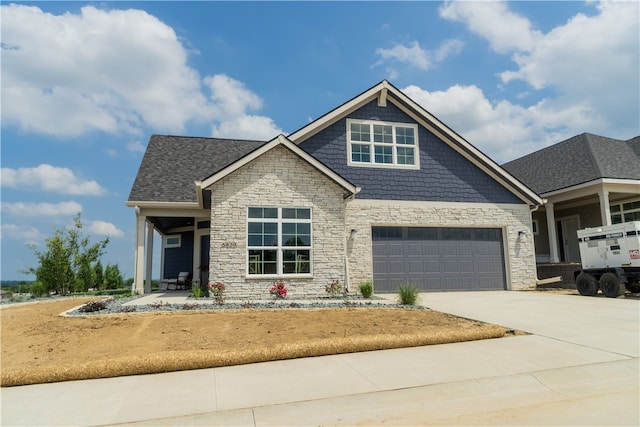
(39, 346)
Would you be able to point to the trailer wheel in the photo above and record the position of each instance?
(634, 288)
(611, 285)
(587, 284)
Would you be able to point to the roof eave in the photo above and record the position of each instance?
(281, 140)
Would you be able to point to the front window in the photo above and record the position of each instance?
(625, 212)
(278, 241)
(373, 143)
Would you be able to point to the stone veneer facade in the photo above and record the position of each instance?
(277, 178)
(362, 214)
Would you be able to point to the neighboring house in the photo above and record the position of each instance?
(376, 189)
(587, 181)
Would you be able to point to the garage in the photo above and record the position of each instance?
(438, 258)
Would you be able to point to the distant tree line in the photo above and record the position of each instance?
(71, 263)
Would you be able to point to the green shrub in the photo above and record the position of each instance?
(366, 288)
(37, 289)
(408, 294)
(196, 291)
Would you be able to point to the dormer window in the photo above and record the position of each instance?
(382, 144)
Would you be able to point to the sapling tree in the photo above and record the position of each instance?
(68, 259)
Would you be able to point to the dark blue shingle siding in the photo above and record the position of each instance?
(444, 174)
(180, 259)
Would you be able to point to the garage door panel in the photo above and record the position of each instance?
(466, 266)
(395, 250)
(415, 266)
(439, 259)
(414, 249)
(449, 267)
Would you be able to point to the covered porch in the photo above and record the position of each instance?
(594, 204)
(184, 234)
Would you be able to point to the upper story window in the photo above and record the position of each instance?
(382, 144)
(625, 212)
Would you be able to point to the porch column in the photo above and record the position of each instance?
(551, 231)
(138, 282)
(605, 208)
(148, 270)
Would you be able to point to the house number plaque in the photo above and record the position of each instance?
(228, 245)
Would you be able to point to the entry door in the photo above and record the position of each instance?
(569, 227)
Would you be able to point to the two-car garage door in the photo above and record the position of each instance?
(438, 258)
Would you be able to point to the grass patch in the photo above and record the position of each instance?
(39, 346)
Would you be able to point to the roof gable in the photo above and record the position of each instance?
(384, 92)
(577, 160)
(283, 141)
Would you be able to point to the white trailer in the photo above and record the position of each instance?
(610, 259)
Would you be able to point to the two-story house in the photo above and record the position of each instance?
(376, 189)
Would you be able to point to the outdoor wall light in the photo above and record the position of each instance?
(353, 233)
(521, 234)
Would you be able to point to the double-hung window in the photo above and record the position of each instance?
(278, 241)
(385, 144)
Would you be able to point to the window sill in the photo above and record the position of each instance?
(277, 276)
(383, 166)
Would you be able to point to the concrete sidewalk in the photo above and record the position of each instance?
(550, 378)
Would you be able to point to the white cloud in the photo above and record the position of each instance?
(413, 55)
(232, 101)
(28, 234)
(51, 179)
(593, 61)
(418, 57)
(101, 70)
(136, 146)
(492, 20)
(502, 130)
(112, 71)
(104, 229)
(591, 64)
(448, 48)
(42, 209)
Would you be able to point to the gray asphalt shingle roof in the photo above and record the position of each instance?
(171, 164)
(577, 160)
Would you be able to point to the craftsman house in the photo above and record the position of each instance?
(587, 181)
(376, 189)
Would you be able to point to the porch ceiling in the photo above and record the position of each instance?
(165, 224)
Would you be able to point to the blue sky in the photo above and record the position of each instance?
(84, 85)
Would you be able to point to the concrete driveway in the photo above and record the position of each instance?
(579, 366)
(609, 324)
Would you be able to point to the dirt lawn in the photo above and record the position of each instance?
(38, 345)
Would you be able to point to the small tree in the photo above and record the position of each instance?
(85, 278)
(67, 259)
(112, 276)
(99, 275)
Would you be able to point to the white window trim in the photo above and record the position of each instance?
(621, 212)
(372, 144)
(172, 245)
(280, 248)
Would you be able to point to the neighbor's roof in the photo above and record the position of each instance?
(171, 165)
(577, 160)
